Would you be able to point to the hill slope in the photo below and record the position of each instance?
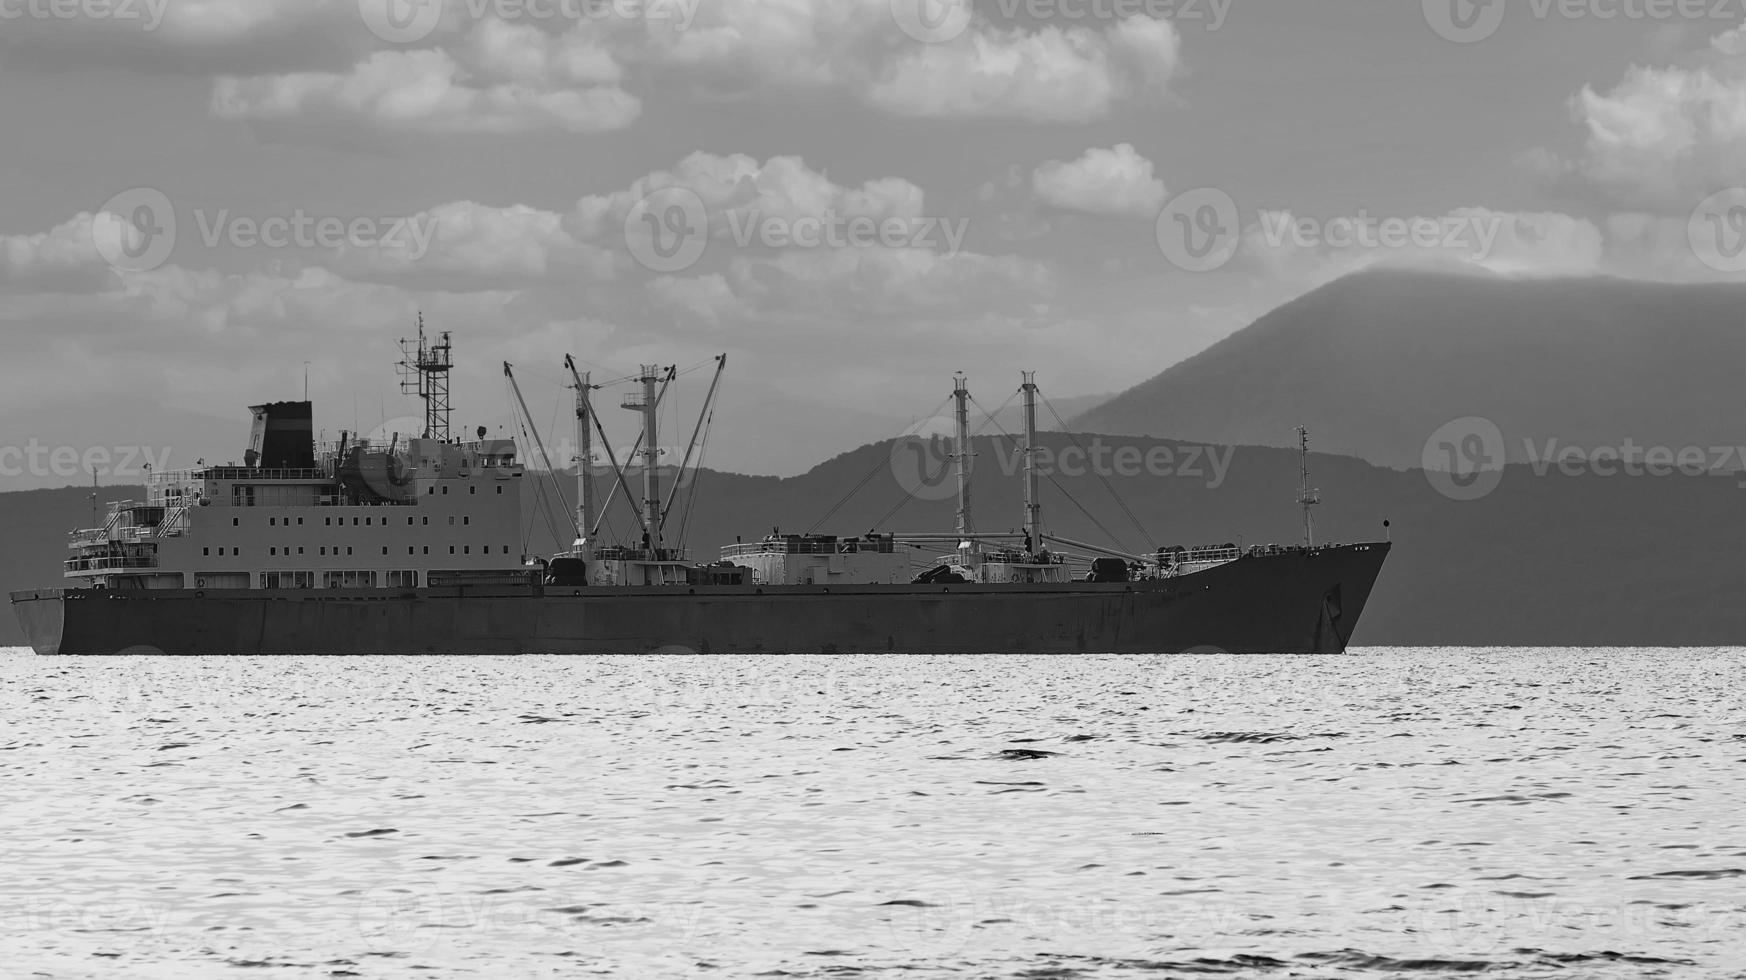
(1376, 363)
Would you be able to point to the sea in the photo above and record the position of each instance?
(1389, 813)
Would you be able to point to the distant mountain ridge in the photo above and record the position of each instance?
(1376, 363)
(1547, 560)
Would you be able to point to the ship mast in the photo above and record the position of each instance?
(962, 457)
(1307, 497)
(648, 403)
(1033, 503)
(424, 369)
(584, 454)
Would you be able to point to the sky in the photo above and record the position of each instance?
(208, 201)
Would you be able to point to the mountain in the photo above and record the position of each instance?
(1545, 560)
(1376, 363)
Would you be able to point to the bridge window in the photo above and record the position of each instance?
(324, 552)
(500, 491)
(466, 549)
(272, 551)
(236, 522)
(206, 551)
(272, 522)
(466, 520)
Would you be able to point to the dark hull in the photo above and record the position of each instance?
(1292, 603)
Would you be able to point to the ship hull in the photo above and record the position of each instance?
(1299, 602)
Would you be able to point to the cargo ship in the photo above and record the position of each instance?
(406, 544)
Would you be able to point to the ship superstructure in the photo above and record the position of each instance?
(413, 542)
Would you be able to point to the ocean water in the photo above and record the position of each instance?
(1391, 813)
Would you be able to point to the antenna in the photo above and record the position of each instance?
(424, 370)
(1307, 497)
(962, 456)
(1033, 503)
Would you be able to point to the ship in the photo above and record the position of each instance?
(406, 543)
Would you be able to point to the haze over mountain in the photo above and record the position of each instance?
(1377, 362)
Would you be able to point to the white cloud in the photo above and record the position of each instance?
(1115, 181)
(425, 92)
(62, 259)
(1051, 75)
(1663, 139)
(477, 246)
(737, 189)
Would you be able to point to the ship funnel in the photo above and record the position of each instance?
(283, 436)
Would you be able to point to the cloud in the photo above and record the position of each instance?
(428, 92)
(1047, 76)
(476, 246)
(736, 190)
(317, 63)
(1662, 139)
(1116, 181)
(63, 259)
